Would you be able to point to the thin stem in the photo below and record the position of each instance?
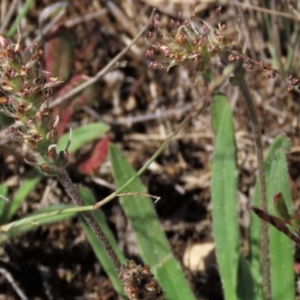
(195, 111)
(68, 185)
(13, 283)
(103, 71)
(239, 75)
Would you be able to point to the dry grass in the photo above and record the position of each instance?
(143, 106)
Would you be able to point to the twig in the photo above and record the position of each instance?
(50, 25)
(195, 111)
(69, 23)
(13, 283)
(152, 116)
(88, 17)
(100, 73)
(265, 10)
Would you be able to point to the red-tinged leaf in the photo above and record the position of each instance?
(73, 82)
(58, 55)
(297, 268)
(277, 223)
(81, 98)
(281, 208)
(97, 157)
(64, 117)
(67, 110)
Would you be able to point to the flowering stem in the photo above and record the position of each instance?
(136, 279)
(68, 185)
(240, 81)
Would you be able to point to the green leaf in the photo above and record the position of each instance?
(280, 207)
(40, 218)
(295, 222)
(22, 13)
(32, 179)
(281, 247)
(152, 243)
(3, 193)
(280, 142)
(217, 112)
(82, 136)
(89, 199)
(245, 288)
(225, 206)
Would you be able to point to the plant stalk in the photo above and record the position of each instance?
(265, 258)
(69, 187)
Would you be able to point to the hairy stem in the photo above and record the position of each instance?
(240, 80)
(68, 185)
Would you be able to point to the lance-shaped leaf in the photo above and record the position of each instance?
(152, 243)
(280, 142)
(3, 193)
(32, 179)
(44, 216)
(58, 55)
(97, 157)
(281, 247)
(74, 103)
(225, 206)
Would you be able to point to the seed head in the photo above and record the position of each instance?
(139, 282)
(26, 98)
(188, 41)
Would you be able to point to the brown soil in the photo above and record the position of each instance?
(142, 106)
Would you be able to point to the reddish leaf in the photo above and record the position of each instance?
(64, 117)
(67, 110)
(81, 98)
(58, 55)
(277, 223)
(297, 268)
(97, 157)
